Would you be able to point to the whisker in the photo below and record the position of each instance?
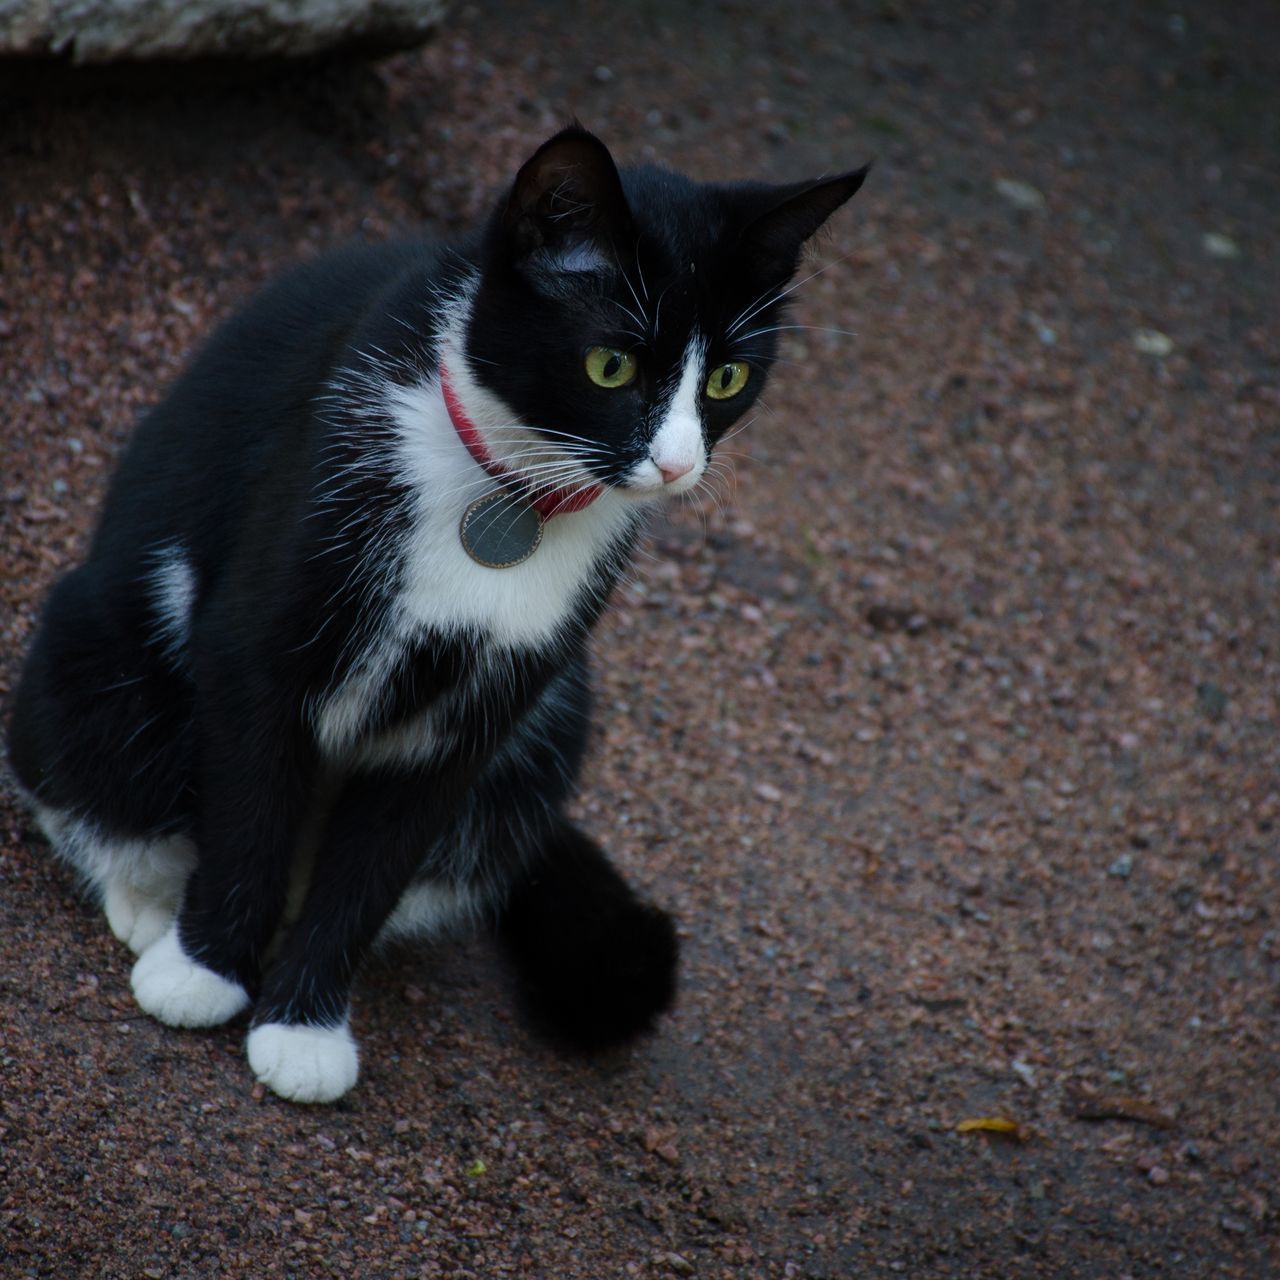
(640, 273)
(812, 328)
(778, 297)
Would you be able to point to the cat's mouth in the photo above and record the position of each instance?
(656, 477)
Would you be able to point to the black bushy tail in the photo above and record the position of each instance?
(594, 964)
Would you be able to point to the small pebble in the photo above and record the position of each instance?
(1151, 342)
(1024, 1071)
(1216, 245)
(1022, 195)
(675, 1263)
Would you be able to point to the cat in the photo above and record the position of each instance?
(322, 679)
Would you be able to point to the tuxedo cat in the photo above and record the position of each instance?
(322, 679)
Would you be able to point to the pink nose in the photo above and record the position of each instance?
(672, 471)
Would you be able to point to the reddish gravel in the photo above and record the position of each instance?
(950, 732)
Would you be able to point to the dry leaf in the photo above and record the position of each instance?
(1088, 1104)
(994, 1124)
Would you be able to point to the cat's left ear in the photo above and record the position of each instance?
(567, 205)
(773, 239)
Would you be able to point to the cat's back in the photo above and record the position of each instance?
(237, 427)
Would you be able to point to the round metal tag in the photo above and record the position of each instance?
(500, 530)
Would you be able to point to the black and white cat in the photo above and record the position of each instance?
(322, 679)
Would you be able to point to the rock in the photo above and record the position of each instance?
(1217, 245)
(1022, 195)
(98, 31)
(1151, 342)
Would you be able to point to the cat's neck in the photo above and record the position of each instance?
(548, 500)
(438, 586)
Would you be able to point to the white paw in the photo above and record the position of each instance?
(172, 987)
(137, 918)
(304, 1064)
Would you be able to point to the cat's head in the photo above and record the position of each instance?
(630, 317)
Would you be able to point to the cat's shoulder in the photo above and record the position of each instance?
(345, 279)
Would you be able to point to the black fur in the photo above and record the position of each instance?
(272, 468)
(592, 962)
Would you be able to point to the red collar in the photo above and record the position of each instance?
(546, 502)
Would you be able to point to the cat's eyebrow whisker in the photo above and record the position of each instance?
(626, 310)
(640, 272)
(751, 311)
(808, 364)
(812, 328)
(627, 280)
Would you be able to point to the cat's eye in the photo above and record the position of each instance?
(609, 367)
(727, 380)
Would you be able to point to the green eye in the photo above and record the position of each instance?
(609, 367)
(727, 380)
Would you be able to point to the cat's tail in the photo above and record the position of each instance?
(594, 964)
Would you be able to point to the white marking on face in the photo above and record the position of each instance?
(173, 597)
(678, 452)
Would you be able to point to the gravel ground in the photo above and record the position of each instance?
(949, 730)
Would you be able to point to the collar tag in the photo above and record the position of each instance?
(500, 530)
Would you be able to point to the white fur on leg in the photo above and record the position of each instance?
(140, 878)
(136, 917)
(177, 990)
(304, 1064)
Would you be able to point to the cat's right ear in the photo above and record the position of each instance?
(773, 239)
(566, 209)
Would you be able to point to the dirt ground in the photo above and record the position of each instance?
(949, 729)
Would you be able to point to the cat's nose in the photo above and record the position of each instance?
(672, 471)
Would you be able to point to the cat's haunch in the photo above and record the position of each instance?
(321, 680)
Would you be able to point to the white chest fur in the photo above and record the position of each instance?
(438, 588)
(441, 586)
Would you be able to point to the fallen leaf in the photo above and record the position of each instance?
(994, 1124)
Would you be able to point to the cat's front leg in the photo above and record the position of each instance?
(381, 825)
(254, 789)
